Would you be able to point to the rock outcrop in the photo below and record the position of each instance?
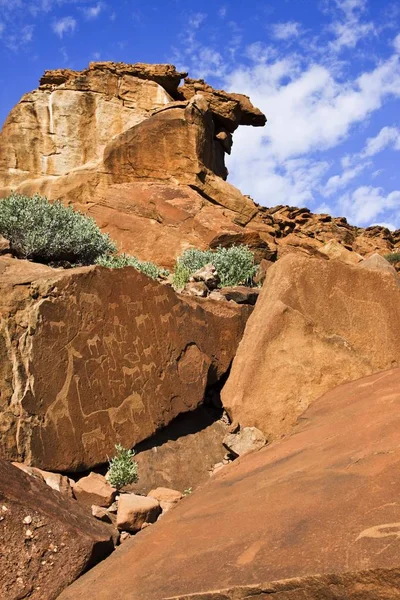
(144, 156)
(47, 540)
(312, 516)
(91, 357)
(316, 324)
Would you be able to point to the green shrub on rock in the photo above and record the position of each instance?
(393, 257)
(235, 265)
(119, 261)
(122, 469)
(51, 232)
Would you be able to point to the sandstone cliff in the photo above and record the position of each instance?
(144, 156)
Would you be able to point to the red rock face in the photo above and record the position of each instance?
(47, 540)
(314, 516)
(92, 357)
(317, 323)
(145, 158)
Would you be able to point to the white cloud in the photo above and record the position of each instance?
(2, 28)
(347, 35)
(222, 12)
(337, 182)
(196, 20)
(64, 25)
(348, 29)
(92, 12)
(366, 203)
(309, 110)
(285, 31)
(396, 43)
(388, 136)
(351, 7)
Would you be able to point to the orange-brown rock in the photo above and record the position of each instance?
(91, 357)
(135, 511)
(182, 454)
(313, 516)
(166, 497)
(47, 540)
(229, 110)
(94, 490)
(145, 158)
(56, 481)
(113, 142)
(316, 324)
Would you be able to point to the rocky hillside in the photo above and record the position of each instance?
(227, 441)
(144, 156)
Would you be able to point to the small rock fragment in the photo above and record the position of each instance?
(166, 497)
(245, 440)
(208, 275)
(94, 489)
(196, 288)
(101, 513)
(134, 510)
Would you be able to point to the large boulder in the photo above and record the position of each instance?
(313, 516)
(91, 357)
(47, 540)
(316, 324)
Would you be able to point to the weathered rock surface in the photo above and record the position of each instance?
(240, 294)
(101, 138)
(134, 511)
(376, 262)
(145, 158)
(182, 455)
(313, 516)
(94, 490)
(56, 481)
(91, 357)
(316, 324)
(166, 497)
(247, 439)
(47, 540)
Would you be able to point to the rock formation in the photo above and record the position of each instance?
(316, 324)
(91, 357)
(144, 156)
(47, 540)
(312, 516)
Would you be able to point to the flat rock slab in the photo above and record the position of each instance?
(314, 516)
(91, 357)
(46, 539)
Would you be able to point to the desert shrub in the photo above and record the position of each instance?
(123, 470)
(181, 276)
(51, 232)
(118, 261)
(393, 257)
(235, 265)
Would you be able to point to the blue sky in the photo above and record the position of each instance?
(325, 72)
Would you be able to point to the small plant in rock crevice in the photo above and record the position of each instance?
(235, 265)
(123, 470)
